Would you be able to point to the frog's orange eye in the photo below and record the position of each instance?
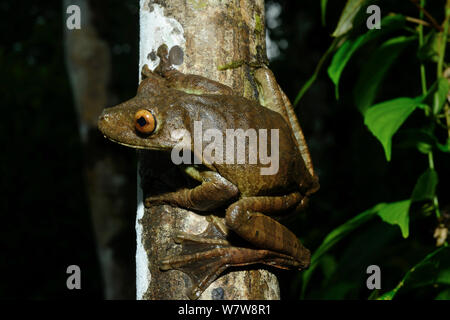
(144, 121)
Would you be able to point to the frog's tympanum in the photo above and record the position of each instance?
(169, 102)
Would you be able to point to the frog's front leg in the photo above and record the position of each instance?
(214, 192)
(247, 218)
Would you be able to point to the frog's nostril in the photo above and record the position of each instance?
(103, 121)
(103, 117)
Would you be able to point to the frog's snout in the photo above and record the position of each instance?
(103, 117)
(102, 122)
(107, 123)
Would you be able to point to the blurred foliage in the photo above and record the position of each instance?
(45, 217)
(46, 224)
(384, 119)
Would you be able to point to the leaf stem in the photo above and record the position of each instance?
(440, 68)
(435, 198)
(422, 66)
(421, 7)
(311, 80)
(441, 63)
(417, 21)
(427, 112)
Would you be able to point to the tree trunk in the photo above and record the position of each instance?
(106, 168)
(211, 34)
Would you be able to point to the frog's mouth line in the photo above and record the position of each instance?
(135, 146)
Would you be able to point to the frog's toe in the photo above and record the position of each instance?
(203, 257)
(149, 202)
(202, 268)
(183, 238)
(154, 200)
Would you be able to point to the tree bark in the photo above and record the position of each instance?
(106, 168)
(211, 34)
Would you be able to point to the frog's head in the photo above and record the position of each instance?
(154, 119)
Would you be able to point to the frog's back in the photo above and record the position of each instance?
(288, 170)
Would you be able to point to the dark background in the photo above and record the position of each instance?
(45, 220)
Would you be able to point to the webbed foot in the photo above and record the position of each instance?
(205, 256)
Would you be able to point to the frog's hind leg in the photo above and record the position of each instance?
(247, 217)
(205, 267)
(205, 256)
(272, 97)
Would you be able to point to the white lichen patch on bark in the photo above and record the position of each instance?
(194, 224)
(143, 276)
(241, 289)
(274, 289)
(155, 30)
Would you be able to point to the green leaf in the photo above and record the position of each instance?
(341, 57)
(430, 48)
(444, 147)
(375, 69)
(434, 269)
(349, 47)
(411, 138)
(329, 265)
(425, 188)
(334, 237)
(384, 119)
(387, 296)
(305, 88)
(443, 295)
(323, 7)
(374, 295)
(424, 148)
(437, 95)
(440, 96)
(345, 22)
(421, 139)
(397, 213)
(313, 78)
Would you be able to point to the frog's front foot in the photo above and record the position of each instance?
(172, 198)
(205, 256)
(154, 200)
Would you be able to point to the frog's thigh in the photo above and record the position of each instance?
(246, 217)
(269, 92)
(272, 97)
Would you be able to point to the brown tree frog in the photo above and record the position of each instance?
(168, 101)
